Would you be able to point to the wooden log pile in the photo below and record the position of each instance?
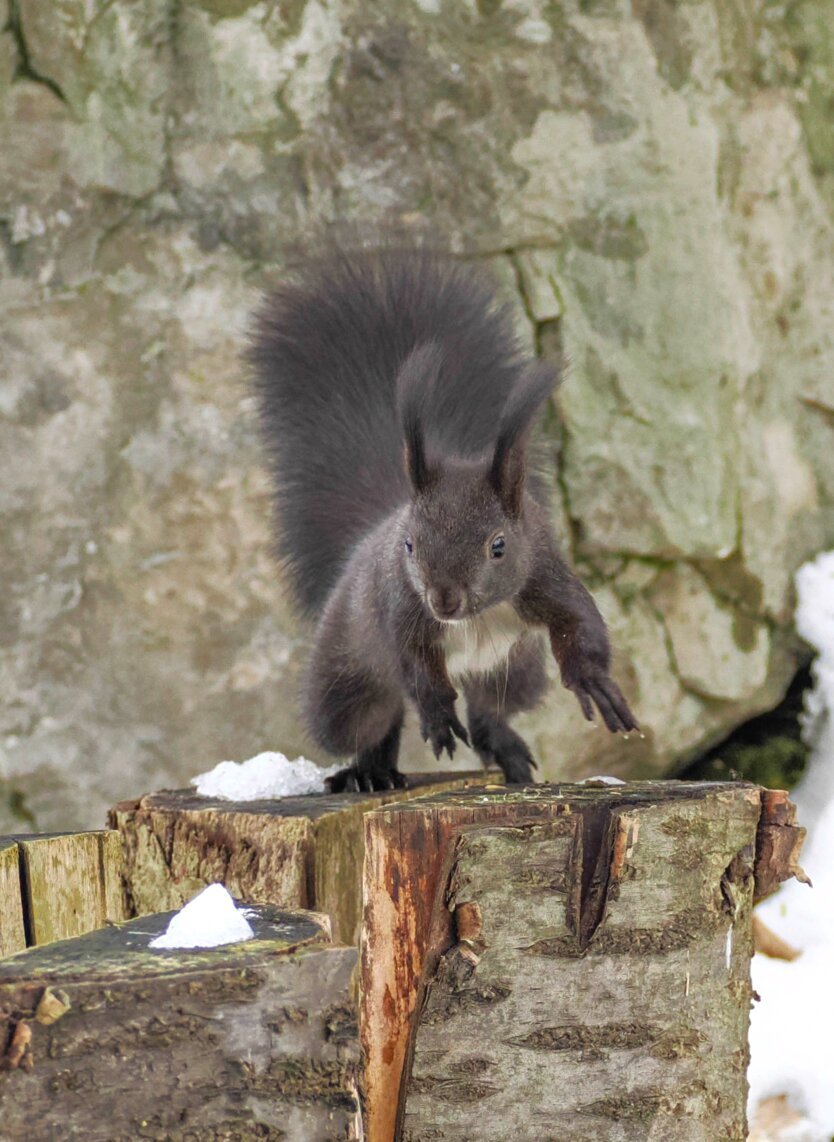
(295, 852)
(104, 1038)
(548, 962)
(57, 885)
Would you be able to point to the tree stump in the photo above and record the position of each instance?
(294, 852)
(105, 1039)
(559, 962)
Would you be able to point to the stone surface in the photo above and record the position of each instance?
(653, 184)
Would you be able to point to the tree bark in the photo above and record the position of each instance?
(293, 852)
(778, 843)
(577, 958)
(106, 1039)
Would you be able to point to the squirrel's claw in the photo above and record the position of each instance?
(459, 729)
(585, 703)
(442, 734)
(358, 779)
(443, 739)
(608, 699)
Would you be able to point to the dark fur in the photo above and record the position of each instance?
(327, 350)
(397, 411)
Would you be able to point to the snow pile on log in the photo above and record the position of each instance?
(210, 920)
(792, 1028)
(262, 777)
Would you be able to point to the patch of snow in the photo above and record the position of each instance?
(601, 779)
(265, 776)
(792, 1028)
(209, 920)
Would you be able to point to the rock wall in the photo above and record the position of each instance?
(654, 184)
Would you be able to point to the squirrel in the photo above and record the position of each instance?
(396, 410)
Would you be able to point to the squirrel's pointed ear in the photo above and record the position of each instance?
(415, 381)
(508, 470)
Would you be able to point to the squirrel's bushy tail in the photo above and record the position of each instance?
(326, 349)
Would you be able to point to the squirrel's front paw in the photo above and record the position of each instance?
(594, 687)
(441, 731)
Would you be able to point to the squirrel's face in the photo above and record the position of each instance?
(462, 551)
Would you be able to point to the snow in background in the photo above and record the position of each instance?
(210, 919)
(264, 776)
(792, 1028)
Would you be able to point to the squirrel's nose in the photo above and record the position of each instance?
(446, 601)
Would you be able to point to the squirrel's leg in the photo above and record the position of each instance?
(553, 597)
(493, 698)
(350, 709)
(426, 681)
(374, 768)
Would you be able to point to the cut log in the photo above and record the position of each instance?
(578, 958)
(104, 1038)
(12, 932)
(294, 852)
(71, 883)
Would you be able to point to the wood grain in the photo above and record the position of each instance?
(68, 883)
(12, 933)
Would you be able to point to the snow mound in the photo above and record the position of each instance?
(792, 1028)
(262, 777)
(209, 920)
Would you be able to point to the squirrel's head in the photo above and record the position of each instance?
(466, 539)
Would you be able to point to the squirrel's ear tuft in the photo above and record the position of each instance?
(508, 470)
(415, 382)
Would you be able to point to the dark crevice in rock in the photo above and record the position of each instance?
(16, 803)
(819, 407)
(670, 649)
(767, 750)
(573, 535)
(25, 68)
(730, 583)
(176, 63)
(526, 302)
(12, 250)
(547, 341)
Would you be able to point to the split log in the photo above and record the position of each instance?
(559, 962)
(106, 1039)
(294, 852)
(69, 883)
(12, 932)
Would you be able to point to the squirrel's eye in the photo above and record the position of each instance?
(496, 549)
(409, 546)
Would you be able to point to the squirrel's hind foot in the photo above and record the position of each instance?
(374, 769)
(498, 744)
(356, 779)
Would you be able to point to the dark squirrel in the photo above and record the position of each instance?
(397, 409)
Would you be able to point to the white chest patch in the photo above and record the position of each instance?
(480, 644)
